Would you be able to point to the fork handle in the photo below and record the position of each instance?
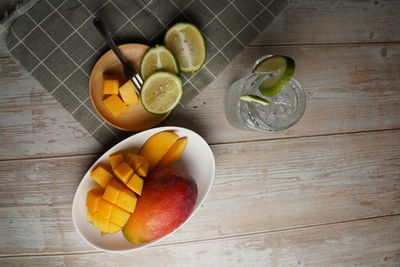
(101, 27)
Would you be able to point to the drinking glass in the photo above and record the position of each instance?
(286, 108)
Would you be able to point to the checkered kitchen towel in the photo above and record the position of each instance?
(57, 43)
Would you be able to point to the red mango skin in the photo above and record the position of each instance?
(167, 200)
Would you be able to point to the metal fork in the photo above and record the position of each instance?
(129, 71)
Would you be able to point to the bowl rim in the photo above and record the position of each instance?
(199, 204)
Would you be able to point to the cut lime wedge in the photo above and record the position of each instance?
(255, 98)
(161, 92)
(187, 43)
(282, 65)
(158, 58)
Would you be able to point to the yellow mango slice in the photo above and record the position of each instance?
(113, 228)
(139, 164)
(128, 93)
(124, 172)
(92, 201)
(119, 216)
(101, 176)
(112, 191)
(104, 209)
(173, 154)
(110, 84)
(157, 146)
(127, 200)
(101, 223)
(115, 105)
(115, 160)
(91, 216)
(135, 184)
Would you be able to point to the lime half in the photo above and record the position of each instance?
(255, 98)
(158, 58)
(187, 43)
(161, 92)
(282, 65)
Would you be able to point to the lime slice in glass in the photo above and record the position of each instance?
(158, 58)
(282, 65)
(161, 92)
(255, 98)
(187, 43)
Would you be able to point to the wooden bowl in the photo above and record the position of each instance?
(135, 118)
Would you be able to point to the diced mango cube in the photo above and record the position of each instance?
(91, 216)
(101, 176)
(92, 199)
(112, 191)
(126, 200)
(115, 160)
(119, 216)
(113, 228)
(110, 84)
(139, 164)
(115, 105)
(104, 209)
(128, 93)
(135, 184)
(123, 172)
(101, 223)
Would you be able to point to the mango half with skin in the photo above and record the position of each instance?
(167, 200)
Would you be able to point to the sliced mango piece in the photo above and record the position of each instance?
(104, 209)
(173, 154)
(101, 223)
(92, 201)
(115, 105)
(126, 200)
(110, 84)
(139, 164)
(135, 184)
(101, 176)
(115, 160)
(128, 93)
(119, 216)
(91, 216)
(157, 146)
(113, 228)
(124, 172)
(112, 191)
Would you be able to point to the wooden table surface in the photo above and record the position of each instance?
(326, 192)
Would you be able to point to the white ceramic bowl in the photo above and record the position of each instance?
(197, 160)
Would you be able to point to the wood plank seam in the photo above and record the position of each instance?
(205, 239)
(211, 144)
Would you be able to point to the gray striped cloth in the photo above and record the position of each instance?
(57, 43)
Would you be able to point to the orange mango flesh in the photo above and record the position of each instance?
(157, 146)
(173, 154)
(124, 172)
(110, 84)
(115, 105)
(115, 160)
(128, 93)
(139, 164)
(101, 176)
(110, 205)
(118, 194)
(135, 184)
(110, 217)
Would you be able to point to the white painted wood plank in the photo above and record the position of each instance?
(32, 122)
(372, 242)
(259, 186)
(332, 21)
